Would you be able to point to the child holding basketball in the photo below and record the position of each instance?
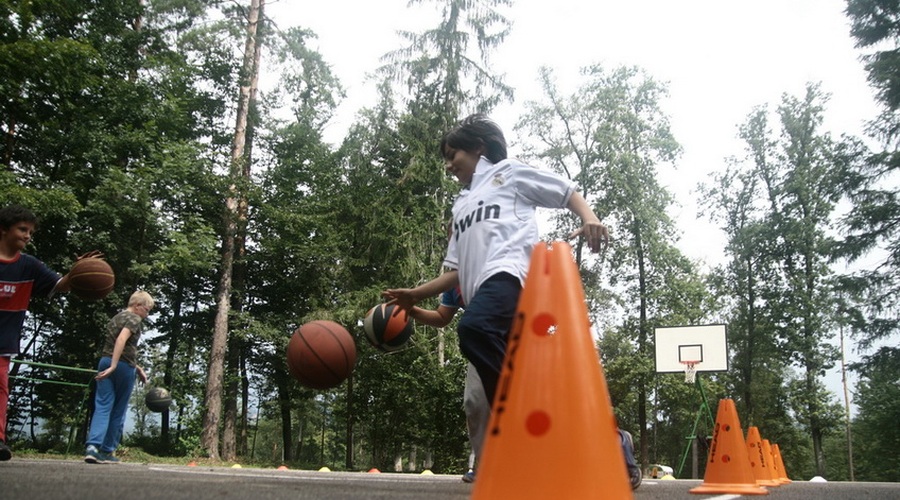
(115, 380)
(494, 232)
(21, 278)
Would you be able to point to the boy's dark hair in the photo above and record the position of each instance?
(13, 214)
(474, 132)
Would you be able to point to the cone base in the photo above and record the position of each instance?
(768, 482)
(740, 489)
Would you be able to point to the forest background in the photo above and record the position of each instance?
(138, 128)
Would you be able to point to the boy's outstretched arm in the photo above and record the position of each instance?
(595, 233)
(406, 298)
(437, 318)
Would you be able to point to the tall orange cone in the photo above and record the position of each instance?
(782, 473)
(552, 432)
(728, 466)
(760, 459)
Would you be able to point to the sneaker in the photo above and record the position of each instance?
(469, 477)
(109, 458)
(5, 452)
(635, 476)
(92, 455)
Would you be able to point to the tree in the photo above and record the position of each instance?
(878, 400)
(872, 225)
(234, 225)
(779, 206)
(609, 136)
(442, 68)
(114, 154)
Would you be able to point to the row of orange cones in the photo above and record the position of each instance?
(740, 466)
(553, 408)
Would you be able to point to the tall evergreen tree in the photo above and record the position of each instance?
(873, 223)
(610, 136)
(778, 210)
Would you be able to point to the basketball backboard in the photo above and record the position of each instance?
(704, 344)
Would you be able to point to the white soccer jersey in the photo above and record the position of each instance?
(494, 224)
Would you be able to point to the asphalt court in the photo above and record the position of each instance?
(30, 479)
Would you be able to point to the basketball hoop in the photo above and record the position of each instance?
(690, 371)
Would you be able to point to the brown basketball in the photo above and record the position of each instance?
(91, 279)
(321, 354)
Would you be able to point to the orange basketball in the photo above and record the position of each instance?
(91, 278)
(321, 354)
(387, 328)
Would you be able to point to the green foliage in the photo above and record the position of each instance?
(777, 206)
(445, 68)
(872, 224)
(875, 432)
(610, 137)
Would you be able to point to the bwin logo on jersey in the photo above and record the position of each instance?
(477, 215)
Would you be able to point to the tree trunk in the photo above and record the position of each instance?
(229, 449)
(171, 351)
(751, 343)
(350, 419)
(243, 435)
(209, 438)
(249, 79)
(642, 347)
(284, 404)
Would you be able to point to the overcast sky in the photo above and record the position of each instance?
(720, 58)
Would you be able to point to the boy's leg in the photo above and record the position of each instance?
(484, 327)
(634, 470)
(103, 403)
(4, 394)
(123, 384)
(478, 412)
(5, 453)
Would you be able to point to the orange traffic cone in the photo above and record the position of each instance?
(775, 475)
(728, 466)
(552, 432)
(782, 473)
(760, 459)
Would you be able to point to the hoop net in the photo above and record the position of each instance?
(690, 371)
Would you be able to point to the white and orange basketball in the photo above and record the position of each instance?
(386, 330)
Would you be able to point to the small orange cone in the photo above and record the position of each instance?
(374, 470)
(779, 465)
(774, 475)
(728, 466)
(552, 432)
(192, 464)
(760, 459)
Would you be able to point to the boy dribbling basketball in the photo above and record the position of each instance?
(21, 277)
(494, 231)
(115, 378)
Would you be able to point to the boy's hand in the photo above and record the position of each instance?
(403, 298)
(142, 376)
(595, 233)
(105, 373)
(93, 254)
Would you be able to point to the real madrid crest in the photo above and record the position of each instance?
(497, 181)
